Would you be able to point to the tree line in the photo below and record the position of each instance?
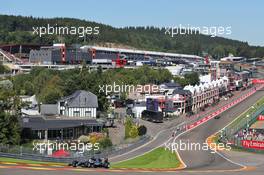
(18, 30)
(50, 85)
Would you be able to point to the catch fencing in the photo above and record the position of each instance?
(20, 152)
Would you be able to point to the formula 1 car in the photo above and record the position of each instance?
(91, 163)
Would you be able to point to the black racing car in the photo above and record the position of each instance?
(217, 117)
(91, 163)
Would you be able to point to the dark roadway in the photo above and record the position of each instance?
(165, 135)
(205, 160)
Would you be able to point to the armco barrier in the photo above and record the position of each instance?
(231, 130)
(28, 154)
(242, 124)
(36, 157)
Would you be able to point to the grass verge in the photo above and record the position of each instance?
(249, 111)
(158, 158)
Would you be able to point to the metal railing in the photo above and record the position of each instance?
(27, 153)
(229, 133)
(243, 122)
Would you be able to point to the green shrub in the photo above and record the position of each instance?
(133, 132)
(128, 126)
(84, 139)
(142, 130)
(105, 142)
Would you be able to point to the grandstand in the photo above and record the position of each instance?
(8, 57)
(132, 55)
(117, 57)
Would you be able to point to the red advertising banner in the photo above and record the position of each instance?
(258, 81)
(253, 144)
(261, 117)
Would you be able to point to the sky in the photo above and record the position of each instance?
(246, 17)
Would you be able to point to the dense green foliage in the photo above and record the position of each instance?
(50, 85)
(133, 133)
(4, 69)
(128, 125)
(9, 111)
(188, 79)
(142, 130)
(9, 129)
(131, 129)
(105, 142)
(19, 30)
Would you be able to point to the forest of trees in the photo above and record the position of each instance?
(50, 85)
(10, 106)
(18, 30)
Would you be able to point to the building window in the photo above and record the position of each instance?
(76, 113)
(88, 114)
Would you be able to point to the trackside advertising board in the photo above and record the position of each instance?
(253, 144)
(258, 81)
(261, 118)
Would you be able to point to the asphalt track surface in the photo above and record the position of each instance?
(205, 159)
(197, 162)
(165, 135)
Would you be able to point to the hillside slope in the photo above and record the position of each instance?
(19, 30)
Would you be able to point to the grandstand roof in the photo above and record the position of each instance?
(141, 52)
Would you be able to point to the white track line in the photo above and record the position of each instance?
(218, 131)
(171, 137)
